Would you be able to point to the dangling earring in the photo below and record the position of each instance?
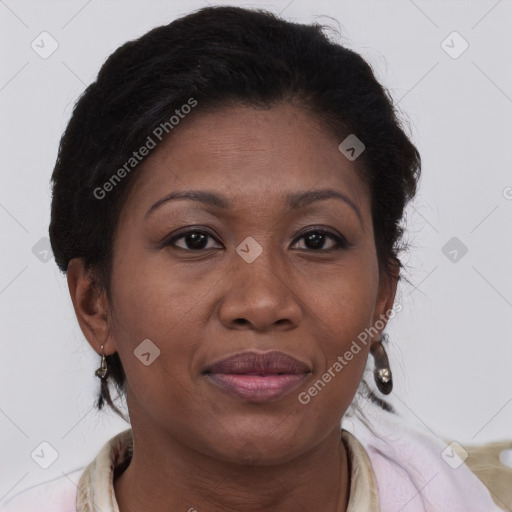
(382, 372)
(102, 371)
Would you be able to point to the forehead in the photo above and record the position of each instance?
(249, 155)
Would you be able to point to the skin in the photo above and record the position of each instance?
(195, 446)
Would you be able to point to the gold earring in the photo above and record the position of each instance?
(382, 373)
(102, 371)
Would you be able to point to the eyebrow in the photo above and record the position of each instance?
(295, 201)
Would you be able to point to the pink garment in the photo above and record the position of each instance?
(411, 474)
(57, 495)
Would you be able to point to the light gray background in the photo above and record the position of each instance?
(451, 344)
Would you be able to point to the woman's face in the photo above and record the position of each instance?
(246, 277)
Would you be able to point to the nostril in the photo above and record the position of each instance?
(506, 458)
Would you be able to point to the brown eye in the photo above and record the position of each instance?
(193, 240)
(315, 240)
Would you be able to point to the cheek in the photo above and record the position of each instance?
(152, 304)
(345, 353)
(346, 301)
(345, 309)
(156, 299)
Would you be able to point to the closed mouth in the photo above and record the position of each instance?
(258, 376)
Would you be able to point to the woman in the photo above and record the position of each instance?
(227, 202)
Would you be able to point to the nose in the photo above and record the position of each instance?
(260, 296)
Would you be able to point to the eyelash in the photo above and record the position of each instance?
(340, 242)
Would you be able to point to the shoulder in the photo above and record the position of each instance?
(57, 495)
(409, 460)
(86, 483)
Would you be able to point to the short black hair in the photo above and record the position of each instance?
(219, 56)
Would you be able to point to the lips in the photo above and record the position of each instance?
(258, 376)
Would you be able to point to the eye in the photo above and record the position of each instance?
(315, 240)
(193, 240)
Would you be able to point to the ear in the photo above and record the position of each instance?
(388, 282)
(91, 306)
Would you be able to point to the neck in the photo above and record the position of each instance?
(164, 475)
